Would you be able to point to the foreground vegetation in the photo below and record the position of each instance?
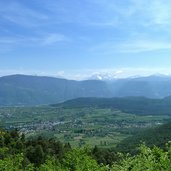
(46, 155)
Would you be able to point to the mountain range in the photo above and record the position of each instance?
(16, 90)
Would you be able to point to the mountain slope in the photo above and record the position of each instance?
(35, 90)
(151, 87)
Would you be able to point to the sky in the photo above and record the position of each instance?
(79, 38)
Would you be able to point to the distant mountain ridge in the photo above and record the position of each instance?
(38, 90)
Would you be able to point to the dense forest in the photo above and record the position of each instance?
(137, 105)
(154, 136)
(18, 153)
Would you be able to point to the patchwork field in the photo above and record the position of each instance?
(79, 126)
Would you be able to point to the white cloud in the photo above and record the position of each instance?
(160, 12)
(21, 15)
(84, 13)
(137, 45)
(53, 38)
(46, 39)
(143, 46)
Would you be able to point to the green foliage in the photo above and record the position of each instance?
(149, 159)
(15, 149)
(105, 156)
(3, 152)
(35, 154)
(14, 163)
(49, 155)
(158, 136)
(74, 160)
(77, 160)
(52, 164)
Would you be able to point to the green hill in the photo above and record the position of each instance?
(137, 105)
(157, 136)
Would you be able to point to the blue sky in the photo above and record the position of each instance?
(79, 38)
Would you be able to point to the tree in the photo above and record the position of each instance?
(149, 159)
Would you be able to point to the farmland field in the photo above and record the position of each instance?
(79, 126)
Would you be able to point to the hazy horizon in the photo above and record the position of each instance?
(94, 76)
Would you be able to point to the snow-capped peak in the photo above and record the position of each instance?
(104, 76)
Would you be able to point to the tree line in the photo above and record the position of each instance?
(18, 154)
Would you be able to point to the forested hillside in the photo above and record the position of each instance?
(18, 90)
(33, 90)
(137, 105)
(158, 136)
